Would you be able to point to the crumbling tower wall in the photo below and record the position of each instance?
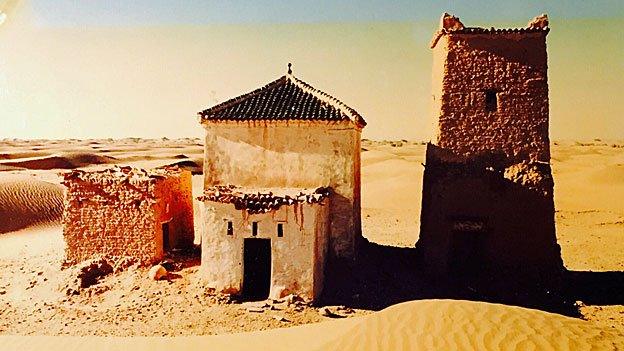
(492, 93)
(488, 189)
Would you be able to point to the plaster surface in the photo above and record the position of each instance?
(293, 154)
(297, 258)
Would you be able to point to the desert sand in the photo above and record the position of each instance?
(417, 325)
(34, 298)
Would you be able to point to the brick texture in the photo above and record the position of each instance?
(119, 213)
(513, 66)
(487, 189)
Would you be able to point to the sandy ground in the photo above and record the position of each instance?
(589, 195)
(416, 325)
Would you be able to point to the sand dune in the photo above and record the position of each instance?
(64, 161)
(47, 163)
(417, 325)
(26, 154)
(463, 325)
(609, 175)
(195, 166)
(5, 168)
(393, 177)
(391, 186)
(25, 202)
(84, 159)
(372, 157)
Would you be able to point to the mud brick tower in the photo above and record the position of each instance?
(487, 205)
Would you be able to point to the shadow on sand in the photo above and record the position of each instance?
(386, 275)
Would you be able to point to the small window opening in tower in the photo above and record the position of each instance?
(280, 230)
(491, 100)
(230, 228)
(254, 228)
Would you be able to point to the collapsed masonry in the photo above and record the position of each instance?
(487, 202)
(124, 212)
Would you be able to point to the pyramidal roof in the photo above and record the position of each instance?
(287, 98)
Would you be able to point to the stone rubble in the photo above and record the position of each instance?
(327, 312)
(92, 271)
(157, 272)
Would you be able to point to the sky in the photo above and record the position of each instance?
(141, 68)
(160, 12)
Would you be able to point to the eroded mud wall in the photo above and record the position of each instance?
(513, 67)
(110, 217)
(488, 175)
(120, 213)
(513, 222)
(175, 206)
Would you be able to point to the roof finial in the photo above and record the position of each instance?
(450, 22)
(539, 22)
(289, 68)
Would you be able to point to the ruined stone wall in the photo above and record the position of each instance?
(119, 214)
(108, 217)
(514, 66)
(297, 258)
(295, 154)
(175, 205)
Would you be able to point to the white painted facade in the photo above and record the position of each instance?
(293, 154)
(297, 258)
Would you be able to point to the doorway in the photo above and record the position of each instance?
(165, 232)
(468, 251)
(256, 268)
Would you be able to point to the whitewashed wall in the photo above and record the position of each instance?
(294, 154)
(297, 259)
